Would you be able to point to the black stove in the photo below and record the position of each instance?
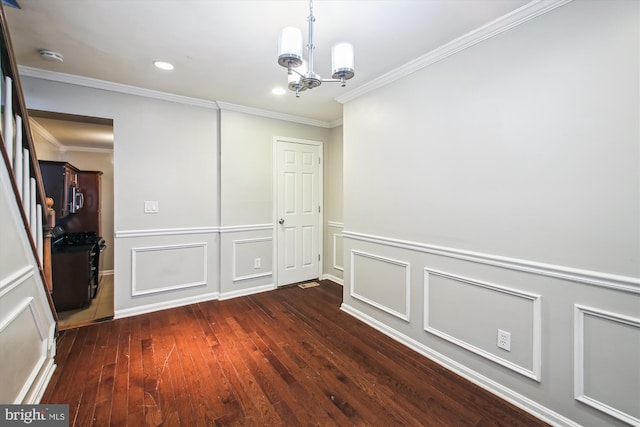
(78, 257)
(82, 238)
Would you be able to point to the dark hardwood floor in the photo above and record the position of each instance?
(286, 357)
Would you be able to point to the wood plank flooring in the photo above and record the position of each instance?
(288, 357)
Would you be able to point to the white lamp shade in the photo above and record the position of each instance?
(290, 43)
(342, 58)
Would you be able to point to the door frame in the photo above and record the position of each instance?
(274, 188)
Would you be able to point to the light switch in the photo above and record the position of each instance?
(150, 206)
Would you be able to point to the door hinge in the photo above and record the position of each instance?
(318, 257)
(318, 209)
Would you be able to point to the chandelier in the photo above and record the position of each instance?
(290, 56)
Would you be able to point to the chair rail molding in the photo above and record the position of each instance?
(165, 232)
(245, 227)
(587, 277)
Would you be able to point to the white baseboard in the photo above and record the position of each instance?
(333, 278)
(149, 308)
(245, 292)
(522, 402)
(42, 382)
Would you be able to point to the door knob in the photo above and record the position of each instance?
(281, 221)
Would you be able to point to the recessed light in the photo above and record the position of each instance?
(278, 91)
(163, 65)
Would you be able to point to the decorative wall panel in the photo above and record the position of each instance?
(165, 268)
(469, 313)
(24, 349)
(246, 251)
(606, 342)
(381, 282)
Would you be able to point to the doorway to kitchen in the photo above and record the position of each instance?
(81, 147)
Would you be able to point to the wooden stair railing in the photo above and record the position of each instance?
(19, 157)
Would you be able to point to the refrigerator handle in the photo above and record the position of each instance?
(80, 203)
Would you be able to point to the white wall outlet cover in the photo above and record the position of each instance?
(151, 206)
(504, 340)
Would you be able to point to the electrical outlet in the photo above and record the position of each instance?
(150, 206)
(504, 340)
(257, 263)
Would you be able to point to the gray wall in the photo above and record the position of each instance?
(210, 171)
(333, 207)
(499, 188)
(163, 151)
(247, 206)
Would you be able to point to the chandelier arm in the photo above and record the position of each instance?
(297, 72)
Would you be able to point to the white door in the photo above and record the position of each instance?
(298, 180)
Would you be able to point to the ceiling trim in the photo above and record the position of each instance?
(504, 23)
(46, 135)
(336, 123)
(272, 114)
(148, 93)
(89, 149)
(113, 87)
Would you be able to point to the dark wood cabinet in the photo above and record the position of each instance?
(89, 218)
(72, 275)
(61, 184)
(76, 195)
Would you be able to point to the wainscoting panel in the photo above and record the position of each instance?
(605, 342)
(245, 253)
(164, 268)
(334, 252)
(338, 252)
(24, 349)
(469, 313)
(381, 282)
(570, 364)
(240, 247)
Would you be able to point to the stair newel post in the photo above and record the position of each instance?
(46, 235)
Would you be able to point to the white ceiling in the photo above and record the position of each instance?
(225, 50)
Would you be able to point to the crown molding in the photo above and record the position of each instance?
(504, 23)
(46, 135)
(112, 87)
(272, 114)
(336, 123)
(148, 93)
(89, 149)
